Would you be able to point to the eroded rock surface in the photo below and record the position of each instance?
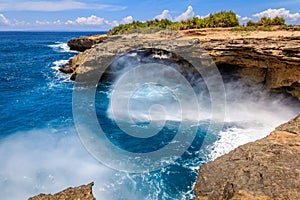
(271, 60)
(83, 43)
(83, 192)
(266, 169)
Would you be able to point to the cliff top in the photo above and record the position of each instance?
(230, 33)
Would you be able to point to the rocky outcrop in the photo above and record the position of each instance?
(83, 192)
(271, 59)
(83, 43)
(266, 169)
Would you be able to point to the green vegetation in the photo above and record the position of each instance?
(264, 24)
(267, 21)
(219, 19)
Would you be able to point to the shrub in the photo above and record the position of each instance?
(251, 23)
(264, 21)
(278, 21)
(265, 28)
(219, 19)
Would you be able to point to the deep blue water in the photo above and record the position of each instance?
(32, 95)
(35, 96)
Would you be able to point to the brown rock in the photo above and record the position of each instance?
(66, 70)
(83, 43)
(266, 169)
(273, 61)
(83, 192)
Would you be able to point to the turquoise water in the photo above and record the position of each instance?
(40, 151)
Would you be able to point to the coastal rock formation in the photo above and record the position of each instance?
(270, 59)
(83, 43)
(266, 169)
(83, 192)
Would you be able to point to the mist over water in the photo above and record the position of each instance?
(40, 151)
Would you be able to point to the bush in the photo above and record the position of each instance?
(265, 28)
(267, 21)
(251, 23)
(219, 19)
(278, 21)
(264, 21)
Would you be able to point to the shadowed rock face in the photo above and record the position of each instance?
(83, 43)
(83, 192)
(266, 169)
(273, 61)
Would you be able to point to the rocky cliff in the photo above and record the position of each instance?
(83, 192)
(269, 58)
(83, 43)
(266, 169)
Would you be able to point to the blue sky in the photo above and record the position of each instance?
(97, 15)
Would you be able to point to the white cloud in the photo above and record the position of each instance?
(4, 20)
(38, 22)
(114, 23)
(164, 15)
(70, 22)
(187, 14)
(91, 20)
(127, 19)
(54, 6)
(278, 12)
(243, 20)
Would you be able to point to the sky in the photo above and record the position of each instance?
(102, 15)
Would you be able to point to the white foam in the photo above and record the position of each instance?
(252, 114)
(60, 77)
(61, 47)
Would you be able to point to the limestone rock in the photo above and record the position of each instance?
(265, 169)
(83, 192)
(273, 61)
(83, 43)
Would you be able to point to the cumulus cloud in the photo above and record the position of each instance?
(243, 19)
(54, 6)
(187, 14)
(164, 15)
(278, 12)
(127, 19)
(4, 20)
(91, 20)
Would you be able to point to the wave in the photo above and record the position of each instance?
(62, 77)
(54, 77)
(61, 47)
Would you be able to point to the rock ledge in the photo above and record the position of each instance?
(83, 192)
(266, 169)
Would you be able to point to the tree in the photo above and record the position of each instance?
(278, 21)
(251, 23)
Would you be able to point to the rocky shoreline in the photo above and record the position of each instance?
(268, 168)
(269, 58)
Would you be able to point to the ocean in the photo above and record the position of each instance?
(42, 152)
